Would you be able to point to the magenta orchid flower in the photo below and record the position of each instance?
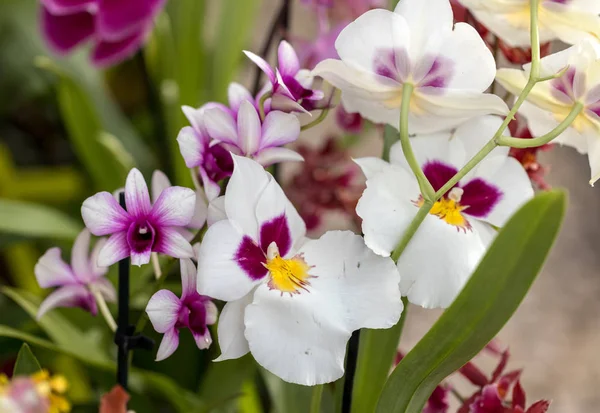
(168, 313)
(144, 227)
(116, 28)
(76, 282)
(290, 86)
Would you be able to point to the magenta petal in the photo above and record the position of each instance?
(62, 7)
(63, 33)
(110, 53)
(69, 296)
(118, 19)
(480, 198)
(287, 59)
(250, 258)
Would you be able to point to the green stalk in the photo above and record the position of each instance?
(317, 394)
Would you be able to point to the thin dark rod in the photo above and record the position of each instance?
(350, 371)
(123, 317)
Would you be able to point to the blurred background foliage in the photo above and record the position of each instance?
(68, 130)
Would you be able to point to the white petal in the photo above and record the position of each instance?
(270, 156)
(365, 283)
(387, 208)
(287, 59)
(219, 274)
(203, 341)
(245, 187)
(168, 344)
(438, 261)
(231, 328)
(248, 128)
(220, 125)
(216, 211)
(237, 94)
(80, 256)
(141, 258)
(423, 23)
(359, 44)
(137, 197)
(105, 288)
(174, 244)
(594, 156)
(188, 277)
(430, 147)
(374, 111)
(200, 211)
(475, 133)
(212, 312)
(163, 310)
(299, 338)
(262, 64)
(473, 65)
(52, 271)
(103, 215)
(372, 166)
(67, 296)
(191, 147)
(174, 207)
(114, 250)
(159, 183)
(278, 129)
(97, 270)
(501, 27)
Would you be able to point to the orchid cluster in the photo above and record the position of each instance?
(431, 206)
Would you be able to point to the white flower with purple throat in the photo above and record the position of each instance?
(292, 302)
(289, 85)
(169, 314)
(143, 227)
(382, 51)
(77, 282)
(454, 236)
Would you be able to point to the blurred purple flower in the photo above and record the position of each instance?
(144, 228)
(116, 28)
(290, 86)
(168, 314)
(75, 282)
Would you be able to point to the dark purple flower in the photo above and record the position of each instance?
(116, 28)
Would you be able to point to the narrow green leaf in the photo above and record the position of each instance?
(376, 353)
(34, 220)
(390, 137)
(26, 363)
(59, 329)
(85, 128)
(141, 381)
(486, 303)
(233, 35)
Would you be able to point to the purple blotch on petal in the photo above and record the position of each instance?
(438, 173)
(250, 258)
(480, 198)
(276, 230)
(141, 236)
(439, 73)
(392, 63)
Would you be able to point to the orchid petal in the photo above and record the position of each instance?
(65, 32)
(108, 53)
(117, 19)
(287, 59)
(230, 329)
(237, 94)
(263, 65)
(221, 126)
(168, 344)
(52, 271)
(278, 129)
(68, 296)
(64, 7)
(271, 156)
(163, 310)
(137, 197)
(188, 278)
(173, 244)
(80, 256)
(159, 183)
(103, 215)
(248, 128)
(216, 211)
(191, 146)
(174, 207)
(114, 250)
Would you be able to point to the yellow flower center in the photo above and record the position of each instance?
(450, 210)
(287, 275)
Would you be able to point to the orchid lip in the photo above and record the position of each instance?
(141, 236)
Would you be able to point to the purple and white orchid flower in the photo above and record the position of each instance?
(290, 86)
(292, 302)
(168, 313)
(144, 227)
(116, 28)
(76, 282)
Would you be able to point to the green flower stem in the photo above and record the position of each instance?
(426, 189)
(315, 403)
(315, 122)
(544, 139)
(101, 302)
(261, 104)
(412, 228)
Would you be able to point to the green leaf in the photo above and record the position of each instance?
(235, 27)
(376, 353)
(34, 220)
(141, 381)
(485, 304)
(26, 363)
(390, 137)
(84, 127)
(59, 329)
